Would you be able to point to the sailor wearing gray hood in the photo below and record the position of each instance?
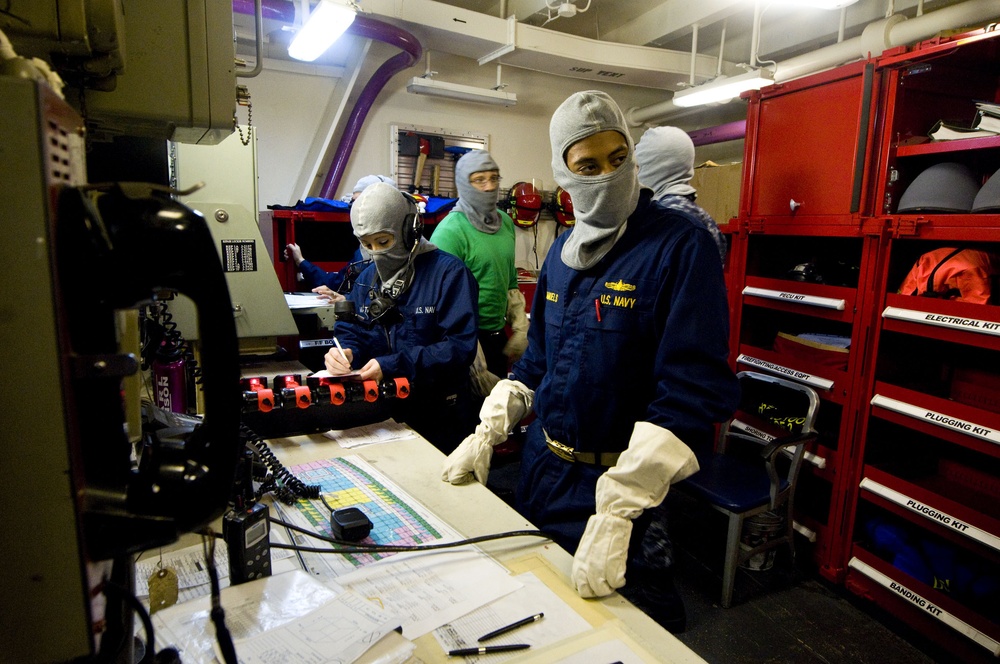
(627, 362)
(423, 304)
(483, 237)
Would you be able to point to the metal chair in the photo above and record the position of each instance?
(756, 468)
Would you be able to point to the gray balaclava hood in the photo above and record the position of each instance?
(666, 165)
(480, 207)
(383, 208)
(369, 180)
(602, 203)
(666, 161)
(363, 184)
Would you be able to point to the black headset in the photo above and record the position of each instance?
(413, 225)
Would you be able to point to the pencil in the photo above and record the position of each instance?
(342, 353)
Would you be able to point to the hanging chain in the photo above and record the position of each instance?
(243, 99)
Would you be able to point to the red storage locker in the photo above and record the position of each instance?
(327, 241)
(810, 141)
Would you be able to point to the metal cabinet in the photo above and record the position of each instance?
(924, 520)
(807, 144)
(903, 492)
(796, 312)
(801, 264)
(327, 240)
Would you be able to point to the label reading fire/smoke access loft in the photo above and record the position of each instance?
(239, 256)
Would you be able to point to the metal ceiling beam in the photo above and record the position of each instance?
(522, 9)
(673, 19)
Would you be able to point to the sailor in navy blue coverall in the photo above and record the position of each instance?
(315, 276)
(434, 343)
(638, 338)
(328, 284)
(627, 361)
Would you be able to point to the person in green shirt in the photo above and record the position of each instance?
(483, 237)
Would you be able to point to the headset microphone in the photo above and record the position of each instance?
(413, 225)
(382, 309)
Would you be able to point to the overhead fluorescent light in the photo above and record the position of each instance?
(434, 88)
(324, 26)
(722, 89)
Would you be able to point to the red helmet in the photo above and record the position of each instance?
(524, 204)
(562, 208)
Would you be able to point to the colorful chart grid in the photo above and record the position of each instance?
(347, 484)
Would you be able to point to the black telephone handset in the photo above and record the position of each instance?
(118, 246)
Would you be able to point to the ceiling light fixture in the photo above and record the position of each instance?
(563, 9)
(326, 23)
(419, 85)
(722, 89)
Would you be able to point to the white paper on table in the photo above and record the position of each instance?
(381, 432)
(352, 376)
(192, 574)
(306, 301)
(611, 642)
(250, 608)
(188, 563)
(609, 651)
(340, 630)
(393, 648)
(429, 589)
(560, 621)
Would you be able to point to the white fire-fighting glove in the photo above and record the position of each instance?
(506, 405)
(483, 380)
(517, 318)
(655, 459)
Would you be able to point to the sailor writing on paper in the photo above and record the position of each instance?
(331, 285)
(420, 305)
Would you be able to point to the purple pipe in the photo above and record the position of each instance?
(278, 10)
(412, 50)
(284, 10)
(730, 131)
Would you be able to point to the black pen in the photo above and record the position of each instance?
(503, 630)
(486, 650)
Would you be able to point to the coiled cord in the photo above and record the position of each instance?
(172, 337)
(286, 487)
